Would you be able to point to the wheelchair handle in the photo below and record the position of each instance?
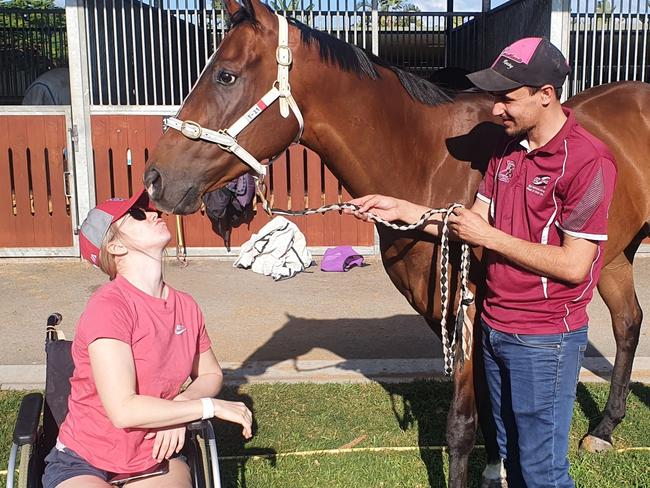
(52, 321)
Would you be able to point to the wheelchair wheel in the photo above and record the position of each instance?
(23, 467)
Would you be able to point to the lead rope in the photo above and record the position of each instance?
(463, 326)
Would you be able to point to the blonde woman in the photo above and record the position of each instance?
(136, 344)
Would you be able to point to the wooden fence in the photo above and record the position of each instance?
(35, 207)
(297, 180)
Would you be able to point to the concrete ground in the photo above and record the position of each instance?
(316, 326)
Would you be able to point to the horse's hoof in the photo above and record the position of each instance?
(595, 444)
(492, 483)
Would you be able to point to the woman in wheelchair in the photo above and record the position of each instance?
(136, 344)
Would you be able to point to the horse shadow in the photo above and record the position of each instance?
(232, 445)
(423, 404)
(592, 407)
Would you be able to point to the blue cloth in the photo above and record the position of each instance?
(532, 381)
(61, 464)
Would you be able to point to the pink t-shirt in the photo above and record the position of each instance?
(564, 187)
(165, 336)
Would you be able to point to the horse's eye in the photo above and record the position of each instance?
(225, 78)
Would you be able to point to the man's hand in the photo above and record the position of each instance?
(382, 206)
(470, 227)
(168, 441)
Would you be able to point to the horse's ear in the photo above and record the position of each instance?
(260, 12)
(231, 6)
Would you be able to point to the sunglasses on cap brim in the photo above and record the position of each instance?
(139, 213)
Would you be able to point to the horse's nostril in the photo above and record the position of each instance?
(152, 181)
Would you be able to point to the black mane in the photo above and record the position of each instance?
(354, 59)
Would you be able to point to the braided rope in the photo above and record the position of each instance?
(448, 337)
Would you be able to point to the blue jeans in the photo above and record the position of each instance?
(532, 381)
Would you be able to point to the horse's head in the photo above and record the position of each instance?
(185, 164)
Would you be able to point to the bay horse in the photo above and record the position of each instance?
(382, 130)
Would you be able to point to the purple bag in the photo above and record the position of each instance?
(340, 258)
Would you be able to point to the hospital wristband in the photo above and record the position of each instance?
(208, 408)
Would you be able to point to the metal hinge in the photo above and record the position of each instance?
(74, 135)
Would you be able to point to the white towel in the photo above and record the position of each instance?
(279, 250)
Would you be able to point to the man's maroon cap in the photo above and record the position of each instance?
(532, 61)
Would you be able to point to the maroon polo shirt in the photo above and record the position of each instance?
(564, 187)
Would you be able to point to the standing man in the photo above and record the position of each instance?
(541, 214)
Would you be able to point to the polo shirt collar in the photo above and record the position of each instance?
(553, 146)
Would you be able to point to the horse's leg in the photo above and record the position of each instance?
(494, 474)
(616, 286)
(462, 421)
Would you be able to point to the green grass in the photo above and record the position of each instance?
(308, 417)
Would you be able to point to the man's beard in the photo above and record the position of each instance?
(516, 130)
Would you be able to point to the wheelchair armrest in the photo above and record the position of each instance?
(29, 414)
(197, 425)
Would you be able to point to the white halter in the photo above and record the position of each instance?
(227, 139)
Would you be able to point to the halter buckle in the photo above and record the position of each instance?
(224, 132)
(191, 129)
(283, 55)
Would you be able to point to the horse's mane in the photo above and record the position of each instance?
(351, 58)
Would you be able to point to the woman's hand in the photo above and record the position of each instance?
(387, 208)
(168, 441)
(235, 412)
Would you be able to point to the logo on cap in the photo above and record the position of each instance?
(508, 64)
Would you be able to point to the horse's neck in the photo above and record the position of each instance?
(376, 139)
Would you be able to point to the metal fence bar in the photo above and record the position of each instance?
(136, 83)
(154, 77)
(645, 43)
(606, 45)
(178, 51)
(187, 45)
(603, 22)
(31, 42)
(160, 67)
(169, 49)
(127, 71)
(161, 56)
(206, 51)
(636, 43)
(116, 67)
(144, 55)
(106, 53)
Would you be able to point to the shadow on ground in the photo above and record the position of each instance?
(425, 407)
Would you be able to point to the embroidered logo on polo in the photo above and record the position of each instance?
(506, 174)
(538, 185)
(180, 328)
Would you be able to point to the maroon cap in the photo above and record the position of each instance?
(99, 219)
(532, 61)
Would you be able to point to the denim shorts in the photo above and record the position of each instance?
(63, 464)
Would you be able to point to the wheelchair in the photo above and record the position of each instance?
(32, 441)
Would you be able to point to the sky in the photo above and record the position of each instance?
(460, 5)
(425, 5)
